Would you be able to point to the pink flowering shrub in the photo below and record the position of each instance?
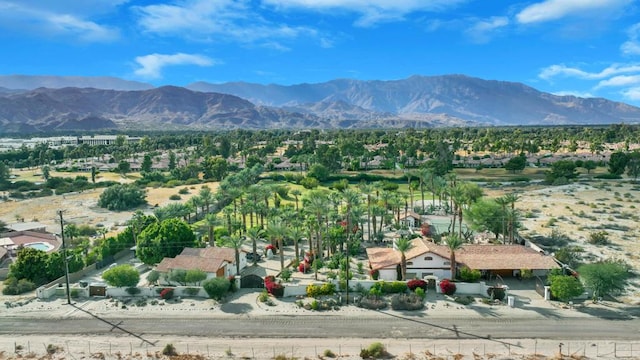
(166, 293)
(270, 248)
(447, 287)
(304, 267)
(375, 274)
(416, 283)
(274, 288)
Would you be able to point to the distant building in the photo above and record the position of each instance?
(28, 226)
(105, 139)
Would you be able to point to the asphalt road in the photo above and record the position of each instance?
(381, 326)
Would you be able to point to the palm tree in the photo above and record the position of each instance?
(453, 242)
(211, 220)
(101, 231)
(317, 204)
(456, 195)
(296, 193)
(194, 202)
(377, 211)
(366, 189)
(502, 201)
(71, 231)
(425, 175)
(352, 200)
(136, 223)
(206, 197)
(403, 244)
(277, 231)
(254, 233)
(235, 241)
(296, 234)
(228, 211)
(512, 198)
(410, 175)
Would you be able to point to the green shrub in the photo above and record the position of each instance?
(390, 287)
(319, 290)
(74, 293)
(13, 286)
(192, 291)
(123, 275)
(173, 183)
(374, 351)
(285, 275)
(599, 238)
(217, 287)
(264, 296)
(421, 293)
(183, 191)
(496, 293)
(464, 300)
(469, 275)
(409, 301)
(169, 350)
(372, 302)
(175, 197)
(133, 291)
(328, 353)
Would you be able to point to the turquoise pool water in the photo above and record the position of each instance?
(39, 246)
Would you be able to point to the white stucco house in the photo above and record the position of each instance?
(426, 258)
(411, 219)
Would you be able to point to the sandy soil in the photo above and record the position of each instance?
(82, 208)
(577, 210)
(200, 348)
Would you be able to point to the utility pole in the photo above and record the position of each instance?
(64, 254)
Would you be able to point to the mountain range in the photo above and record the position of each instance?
(48, 103)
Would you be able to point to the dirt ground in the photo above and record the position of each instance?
(82, 207)
(579, 209)
(200, 348)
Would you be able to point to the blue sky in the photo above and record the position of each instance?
(579, 47)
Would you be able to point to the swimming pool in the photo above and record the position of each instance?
(40, 246)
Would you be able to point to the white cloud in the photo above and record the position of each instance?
(632, 93)
(482, 30)
(632, 46)
(622, 80)
(326, 43)
(214, 20)
(550, 10)
(151, 65)
(371, 11)
(59, 18)
(565, 71)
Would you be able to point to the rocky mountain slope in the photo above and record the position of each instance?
(419, 101)
(165, 108)
(456, 96)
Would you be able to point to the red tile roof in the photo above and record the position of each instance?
(481, 257)
(380, 258)
(501, 257)
(206, 259)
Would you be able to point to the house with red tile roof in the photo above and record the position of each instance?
(426, 258)
(215, 261)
